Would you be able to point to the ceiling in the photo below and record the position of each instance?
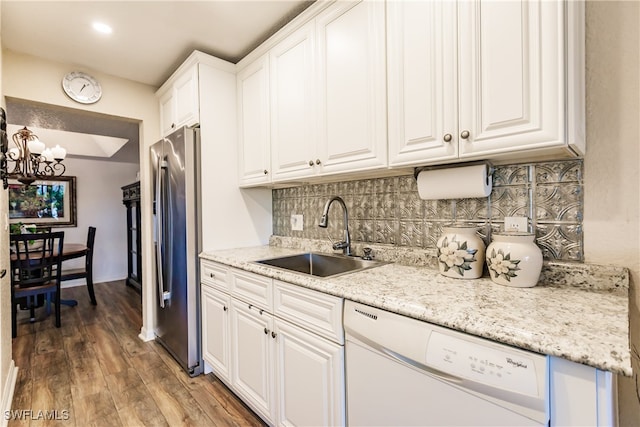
(150, 39)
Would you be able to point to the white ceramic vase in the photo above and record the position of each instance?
(460, 252)
(514, 259)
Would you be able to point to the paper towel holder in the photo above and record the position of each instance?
(487, 163)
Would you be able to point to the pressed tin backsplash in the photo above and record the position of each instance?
(389, 211)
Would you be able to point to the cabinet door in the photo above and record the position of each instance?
(310, 378)
(252, 350)
(253, 118)
(293, 118)
(421, 66)
(511, 76)
(351, 48)
(186, 99)
(215, 331)
(167, 113)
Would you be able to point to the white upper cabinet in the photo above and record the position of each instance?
(328, 95)
(518, 71)
(253, 122)
(512, 76)
(293, 102)
(179, 105)
(167, 113)
(187, 100)
(422, 83)
(352, 86)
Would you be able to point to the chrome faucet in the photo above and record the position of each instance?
(324, 222)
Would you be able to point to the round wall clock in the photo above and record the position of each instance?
(81, 87)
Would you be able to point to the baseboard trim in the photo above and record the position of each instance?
(146, 335)
(83, 282)
(9, 389)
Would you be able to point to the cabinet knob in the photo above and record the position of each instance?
(447, 137)
(250, 306)
(213, 276)
(273, 334)
(266, 331)
(173, 125)
(464, 134)
(310, 162)
(318, 161)
(266, 171)
(261, 311)
(224, 307)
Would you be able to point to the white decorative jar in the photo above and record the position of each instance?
(460, 252)
(514, 259)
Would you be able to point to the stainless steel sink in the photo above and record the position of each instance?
(321, 265)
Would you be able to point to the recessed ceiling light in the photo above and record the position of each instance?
(102, 28)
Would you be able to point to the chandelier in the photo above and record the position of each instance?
(32, 160)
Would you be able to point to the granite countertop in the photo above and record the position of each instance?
(588, 325)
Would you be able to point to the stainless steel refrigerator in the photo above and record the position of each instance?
(176, 215)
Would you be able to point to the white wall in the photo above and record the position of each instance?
(99, 204)
(231, 218)
(612, 162)
(37, 79)
(7, 367)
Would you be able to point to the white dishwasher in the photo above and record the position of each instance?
(404, 372)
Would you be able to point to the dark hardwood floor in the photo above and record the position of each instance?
(94, 370)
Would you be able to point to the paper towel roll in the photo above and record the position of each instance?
(462, 182)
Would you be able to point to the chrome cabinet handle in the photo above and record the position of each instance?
(447, 137)
(464, 134)
(310, 162)
(318, 161)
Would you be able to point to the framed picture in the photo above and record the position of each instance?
(47, 202)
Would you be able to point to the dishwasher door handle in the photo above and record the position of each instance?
(403, 359)
(422, 367)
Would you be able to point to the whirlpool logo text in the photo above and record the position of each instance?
(516, 363)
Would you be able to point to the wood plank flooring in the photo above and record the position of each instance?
(95, 371)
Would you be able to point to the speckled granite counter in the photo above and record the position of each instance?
(588, 325)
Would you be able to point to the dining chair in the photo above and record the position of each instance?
(36, 266)
(86, 272)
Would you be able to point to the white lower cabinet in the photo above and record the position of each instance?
(252, 357)
(215, 330)
(285, 359)
(310, 378)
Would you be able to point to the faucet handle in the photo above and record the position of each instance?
(367, 254)
(339, 245)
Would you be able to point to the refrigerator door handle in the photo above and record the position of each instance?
(160, 207)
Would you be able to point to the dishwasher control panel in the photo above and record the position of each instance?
(511, 370)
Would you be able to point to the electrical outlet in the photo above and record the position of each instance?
(297, 222)
(516, 223)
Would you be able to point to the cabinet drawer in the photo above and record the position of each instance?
(214, 274)
(312, 310)
(253, 289)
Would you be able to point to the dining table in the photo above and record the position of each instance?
(69, 251)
